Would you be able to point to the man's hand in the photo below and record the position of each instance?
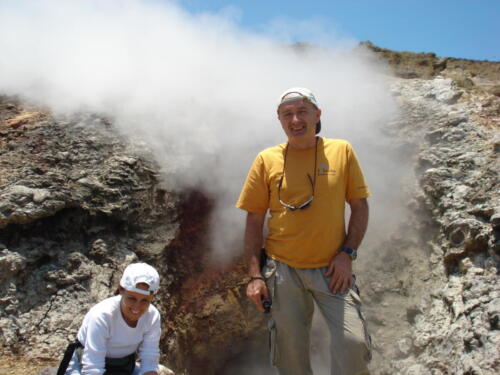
(256, 288)
(340, 270)
(257, 291)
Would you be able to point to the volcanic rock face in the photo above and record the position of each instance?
(442, 271)
(76, 206)
(459, 163)
(78, 203)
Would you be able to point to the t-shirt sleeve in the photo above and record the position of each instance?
(254, 196)
(93, 359)
(356, 184)
(149, 350)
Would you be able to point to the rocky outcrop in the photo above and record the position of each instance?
(441, 277)
(75, 207)
(465, 73)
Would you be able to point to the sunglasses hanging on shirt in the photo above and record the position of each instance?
(312, 181)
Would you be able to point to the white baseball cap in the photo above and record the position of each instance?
(301, 93)
(136, 273)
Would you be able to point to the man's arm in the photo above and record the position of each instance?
(340, 268)
(256, 288)
(358, 222)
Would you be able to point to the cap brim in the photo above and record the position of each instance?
(140, 291)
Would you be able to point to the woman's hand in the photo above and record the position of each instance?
(163, 371)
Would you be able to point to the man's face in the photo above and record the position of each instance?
(298, 119)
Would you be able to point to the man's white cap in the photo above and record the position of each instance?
(301, 93)
(136, 273)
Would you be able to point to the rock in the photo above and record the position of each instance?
(100, 250)
(466, 235)
(493, 311)
(91, 183)
(11, 264)
(495, 221)
(435, 135)
(405, 346)
(415, 370)
(495, 90)
(20, 204)
(443, 91)
(456, 121)
(496, 142)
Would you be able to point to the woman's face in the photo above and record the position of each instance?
(133, 305)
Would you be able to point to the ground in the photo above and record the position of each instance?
(17, 366)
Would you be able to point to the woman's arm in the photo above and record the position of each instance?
(96, 338)
(149, 349)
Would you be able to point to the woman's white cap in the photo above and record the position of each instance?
(136, 273)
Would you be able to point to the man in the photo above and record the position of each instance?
(304, 185)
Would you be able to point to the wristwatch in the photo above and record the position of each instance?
(353, 253)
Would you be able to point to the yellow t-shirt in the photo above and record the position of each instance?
(310, 237)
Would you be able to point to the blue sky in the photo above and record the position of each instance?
(450, 28)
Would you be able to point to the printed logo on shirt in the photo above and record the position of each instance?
(324, 169)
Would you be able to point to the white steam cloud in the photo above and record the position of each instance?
(198, 90)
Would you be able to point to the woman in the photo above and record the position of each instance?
(115, 329)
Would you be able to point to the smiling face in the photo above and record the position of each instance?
(298, 119)
(133, 305)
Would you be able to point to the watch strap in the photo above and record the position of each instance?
(353, 253)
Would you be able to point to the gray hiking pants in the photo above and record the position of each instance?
(293, 293)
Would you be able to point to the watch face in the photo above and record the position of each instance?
(352, 253)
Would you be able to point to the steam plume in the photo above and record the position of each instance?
(200, 91)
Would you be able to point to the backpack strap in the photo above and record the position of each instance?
(63, 366)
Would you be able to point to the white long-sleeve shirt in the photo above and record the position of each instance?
(104, 333)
